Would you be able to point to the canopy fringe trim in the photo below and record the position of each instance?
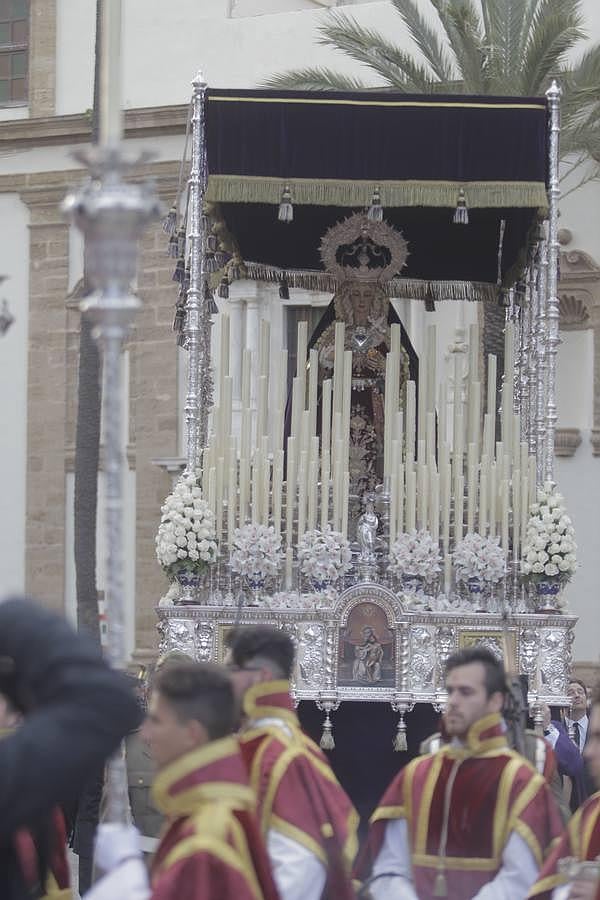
(398, 288)
(332, 192)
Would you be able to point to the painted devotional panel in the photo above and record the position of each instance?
(367, 649)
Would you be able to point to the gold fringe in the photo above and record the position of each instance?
(338, 192)
(409, 288)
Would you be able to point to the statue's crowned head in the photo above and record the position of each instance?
(363, 255)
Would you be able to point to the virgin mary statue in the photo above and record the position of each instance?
(364, 256)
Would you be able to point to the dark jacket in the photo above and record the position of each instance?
(572, 763)
(76, 712)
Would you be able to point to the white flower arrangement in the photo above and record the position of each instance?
(324, 556)
(549, 549)
(256, 552)
(186, 534)
(415, 553)
(479, 557)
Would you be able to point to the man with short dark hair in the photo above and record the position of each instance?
(581, 839)
(569, 751)
(473, 820)
(307, 819)
(212, 848)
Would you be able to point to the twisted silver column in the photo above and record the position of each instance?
(552, 305)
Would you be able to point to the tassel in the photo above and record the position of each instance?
(221, 259)
(181, 242)
(400, 744)
(327, 742)
(179, 273)
(210, 263)
(235, 269)
(224, 288)
(185, 286)
(440, 888)
(212, 243)
(286, 209)
(173, 247)
(212, 307)
(170, 220)
(504, 299)
(429, 302)
(461, 213)
(375, 212)
(284, 288)
(179, 320)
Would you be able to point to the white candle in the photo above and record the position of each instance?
(265, 484)
(223, 351)
(504, 515)
(422, 402)
(434, 506)
(231, 505)
(411, 496)
(264, 347)
(400, 502)
(277, 489)
(325, 472)
(256, 492)
(261, 418)
(483, 495)
(443, 415)
(393, 506)
(338, 364)
(313, 483)
(313, 381)
(345, 495)
(524, 504)
(447, 573)
(410, 420)
(459, 508)
(422, 492)
(290, 490)
(243, 490)
(289, 564)
(110, 127)
(219, 484)
(302, 483)
(471, 486)
(430, 435)
(493, 495)
(446, 502)
(474, 413)
(516, 508)
(491, 386)
(326, 416)
(212, 487)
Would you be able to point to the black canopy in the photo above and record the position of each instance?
(334, 150)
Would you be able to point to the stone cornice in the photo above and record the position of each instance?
(76, 129)
(49, 188)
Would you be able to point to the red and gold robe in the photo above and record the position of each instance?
(211, 847)
(461, 805)
(298, 794)
(58, 879)
(581, 839)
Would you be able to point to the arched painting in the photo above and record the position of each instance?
(367, 649)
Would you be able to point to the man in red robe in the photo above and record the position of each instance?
(211, 848)
(472, 821)
(307, 818)
(580, 841)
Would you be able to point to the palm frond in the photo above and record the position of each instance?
(503, 20)
(426, 40)
(317, 79)
(463, 19)
(555, 29)
(371, 49)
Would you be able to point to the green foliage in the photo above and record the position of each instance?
(497, 47)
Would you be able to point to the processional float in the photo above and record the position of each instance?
(383, 522)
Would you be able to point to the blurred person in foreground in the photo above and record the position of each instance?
(581, 838)
(211, 848)
(307, 818)
(58, 877)
(473, 820)
(75, 711)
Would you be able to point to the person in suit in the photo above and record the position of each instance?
(557, 733)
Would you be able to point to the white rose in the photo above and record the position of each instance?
(182, 554)
(556, 558)
(537, 567)
(181, 541)
(551, 569)
(543, 556)
(531, 556)
(563, 565)
(525, 568)
(193, 554)
(553, 548)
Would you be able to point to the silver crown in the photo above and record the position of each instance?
(361, 249)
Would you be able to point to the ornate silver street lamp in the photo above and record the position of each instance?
(112, 213)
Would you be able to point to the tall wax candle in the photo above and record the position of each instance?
(410, 420)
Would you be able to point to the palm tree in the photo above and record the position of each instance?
(498, 47)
